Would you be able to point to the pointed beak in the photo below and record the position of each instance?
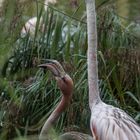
(54, 66)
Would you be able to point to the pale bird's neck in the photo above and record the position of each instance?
(54, 116)
(92, 54)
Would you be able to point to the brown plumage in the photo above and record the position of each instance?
(65, 84)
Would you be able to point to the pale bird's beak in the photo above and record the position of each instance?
(54, 66)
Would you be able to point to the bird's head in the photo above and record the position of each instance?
(64, 81)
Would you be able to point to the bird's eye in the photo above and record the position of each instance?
(64, 80)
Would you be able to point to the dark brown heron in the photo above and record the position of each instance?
(65, 83)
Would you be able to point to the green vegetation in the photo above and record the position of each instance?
(28, 95)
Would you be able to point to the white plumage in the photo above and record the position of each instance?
(107, 122)
(111, 123)
(30, 25)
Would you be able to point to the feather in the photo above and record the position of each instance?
(110, 123)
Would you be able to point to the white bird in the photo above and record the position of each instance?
(30, 25)
(107, 122)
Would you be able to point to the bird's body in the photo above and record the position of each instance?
(75, 136)
(111, 123)
(107, 122)
(30, 25)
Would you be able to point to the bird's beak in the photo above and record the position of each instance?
(54, 66)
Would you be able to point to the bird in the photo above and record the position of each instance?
(65, 83)
(30, 25)
(106, 122)
(73, 135)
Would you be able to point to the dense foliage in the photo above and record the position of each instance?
(28, 95)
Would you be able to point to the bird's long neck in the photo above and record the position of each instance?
(65, 100)
(92, 54)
